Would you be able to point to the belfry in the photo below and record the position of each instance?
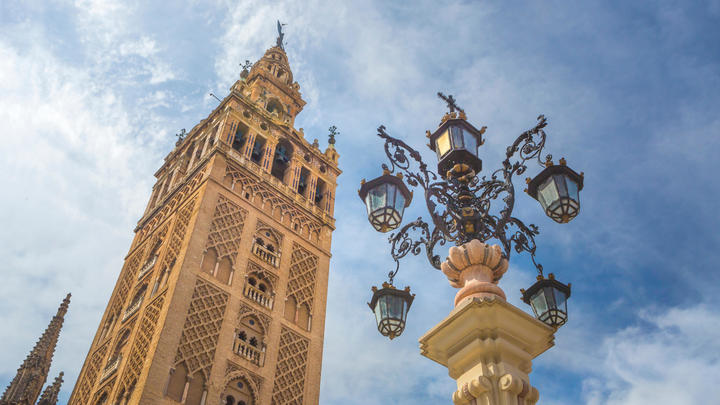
(222, 296)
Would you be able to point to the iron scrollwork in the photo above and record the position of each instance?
(480, 196)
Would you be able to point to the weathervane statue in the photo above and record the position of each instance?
(281, 35)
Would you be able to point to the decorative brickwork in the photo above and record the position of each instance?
(249, 183)
(303, 269)
(226, 229)
(253, 267)
(170, 206)
(178, 235)
(202, 328)
(138, 353)
(87, 380)
(234, 371)
(246, 310)
(126, 280)
(289, 384)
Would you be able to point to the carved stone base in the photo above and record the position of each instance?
(488, 346)
(475, 268)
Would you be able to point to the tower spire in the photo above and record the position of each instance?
(52, 391)
(25, 388)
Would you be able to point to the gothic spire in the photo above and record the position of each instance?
(52, 391)
(31, 376)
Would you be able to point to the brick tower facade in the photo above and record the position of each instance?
(222, 296)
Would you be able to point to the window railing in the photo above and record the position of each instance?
(111, 367)
(249, 353)
(131, 310)
(267, 256)
(149, 264)
(258, 296)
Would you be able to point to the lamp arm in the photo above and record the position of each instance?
(402, 243)
(397, 152)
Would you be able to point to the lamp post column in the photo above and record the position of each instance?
(486, 343)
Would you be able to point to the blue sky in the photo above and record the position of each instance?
(91, 93)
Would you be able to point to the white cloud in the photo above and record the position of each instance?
(671, 359)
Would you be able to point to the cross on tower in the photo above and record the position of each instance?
(450, 102)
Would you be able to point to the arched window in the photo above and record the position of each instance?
(229, 400)
(176, 385)
(258, 289)
(320, 189)
(290, 308)
(274, 106)
(196, 387)
(281, 160)
(266, 244)
(239, 390)
(249, 340)
(135, 303)
(241, 133)
(258, 149)
(303, 182)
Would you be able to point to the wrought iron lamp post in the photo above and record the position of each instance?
(465, 208)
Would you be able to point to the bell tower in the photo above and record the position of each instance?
(222, 296)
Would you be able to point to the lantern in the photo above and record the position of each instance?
(557, 190)
(548, 299)
(385, 199)
(391, 306)
(456, 141)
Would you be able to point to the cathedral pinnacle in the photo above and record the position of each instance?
(52, 391)
(25, 388)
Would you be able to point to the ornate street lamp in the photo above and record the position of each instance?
(557, 190)
(385, 198)
(456, 141)
(548, 300)
(391, 306)
(464, 207)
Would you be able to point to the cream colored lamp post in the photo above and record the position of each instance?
(486, 343)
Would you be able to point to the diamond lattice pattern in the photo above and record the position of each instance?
(290, 373)
(87, 381)
(303, 268)
(226, 228)
(202, 328)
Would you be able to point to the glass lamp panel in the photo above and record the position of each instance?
(572, 190)
(560, 183)
(391, 191)
(549, 192)
(550, 297)
(442, 144)
(400, 203)
(377, 197)
(470, 142)
(393, 310)
(457, 138)
(378, 314)
(561, 300)
(538, 303)
(382, 303)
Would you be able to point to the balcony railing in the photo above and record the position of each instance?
(258, 296)
(266, 255)
(111, 367)
(249, 353)
(131, 310)
(147, 266)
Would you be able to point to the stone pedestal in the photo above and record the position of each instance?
(488, 346)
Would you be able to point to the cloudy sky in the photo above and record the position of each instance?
(92, 92)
